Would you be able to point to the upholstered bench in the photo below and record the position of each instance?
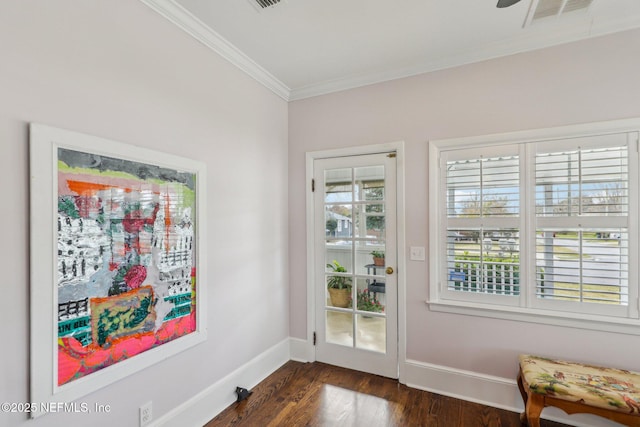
(578, 388)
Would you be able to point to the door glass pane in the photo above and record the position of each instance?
(371, 333)
(338, 257)
(370, 295)
(338, 221)
(339, 328)
(369, 183)
(369, 220)
(339, 291)
(338, 185)
(370, 257)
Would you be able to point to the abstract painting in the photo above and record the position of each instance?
(126, 251)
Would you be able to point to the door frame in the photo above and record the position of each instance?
(398, 148)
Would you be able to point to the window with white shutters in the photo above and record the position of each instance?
(537, 222)
(483, 221)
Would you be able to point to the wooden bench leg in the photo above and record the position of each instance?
(523, 393)
(533, 405)
(533, 409)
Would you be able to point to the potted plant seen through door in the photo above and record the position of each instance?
(339, 286)
(378, 258)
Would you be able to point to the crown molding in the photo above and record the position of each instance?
(531, 40)
(181, 17)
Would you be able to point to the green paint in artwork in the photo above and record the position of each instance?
(181, 299)
(139, 313)
(180, 311)
(186, 196)
(79, 328)
(109, 322)
(67, 206)
(63, 167)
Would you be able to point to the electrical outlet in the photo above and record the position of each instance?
(146, 414)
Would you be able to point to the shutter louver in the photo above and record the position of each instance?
(487, 187)
(482, 257)
(582, 241)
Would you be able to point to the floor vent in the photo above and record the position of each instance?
(541, 9)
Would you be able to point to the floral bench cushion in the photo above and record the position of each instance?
(606, 388)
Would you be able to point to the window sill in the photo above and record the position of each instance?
(545, 317)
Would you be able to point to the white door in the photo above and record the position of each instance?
(356, 297)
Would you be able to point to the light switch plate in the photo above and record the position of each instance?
(417, 253)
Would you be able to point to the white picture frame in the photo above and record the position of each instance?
(143, 251)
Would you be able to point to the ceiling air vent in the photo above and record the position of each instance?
(263, 4)
(541, 9)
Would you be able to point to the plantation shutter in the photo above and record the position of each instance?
(483, 221)
(582, 222)
(538, 223)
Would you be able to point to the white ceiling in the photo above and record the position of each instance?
(302, 48)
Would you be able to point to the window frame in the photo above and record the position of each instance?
(489, 222)
(526, 307)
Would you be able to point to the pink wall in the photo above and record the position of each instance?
(121, 71)
(593, 80)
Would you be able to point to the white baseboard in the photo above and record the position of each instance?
(487, 390)
(301, 350)
(220, 395)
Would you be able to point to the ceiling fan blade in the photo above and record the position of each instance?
(506, 3)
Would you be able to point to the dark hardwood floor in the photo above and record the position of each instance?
(316, 394)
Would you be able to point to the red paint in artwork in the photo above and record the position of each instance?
(130, 346)
(68, 366)
(75, 363)
(166, 332)
(135, 276)
(133, 222)
(75, 348)
(97, 358)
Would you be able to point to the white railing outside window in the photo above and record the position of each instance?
(498, 278)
